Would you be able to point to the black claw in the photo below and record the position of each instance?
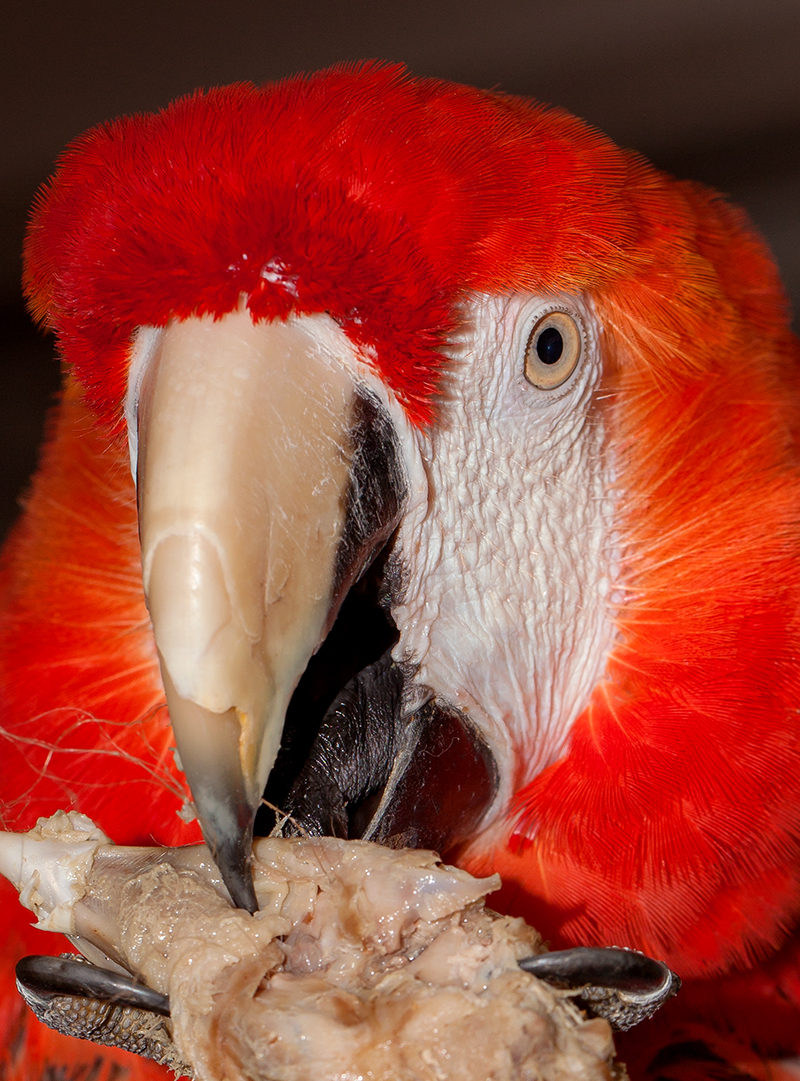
(51, 976)
(624, 970)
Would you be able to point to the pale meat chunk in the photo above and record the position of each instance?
(362, 963)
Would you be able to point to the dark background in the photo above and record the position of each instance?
(709, 89)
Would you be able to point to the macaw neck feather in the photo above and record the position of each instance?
(82, 697)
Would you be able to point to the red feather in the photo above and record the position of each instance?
(382, 200)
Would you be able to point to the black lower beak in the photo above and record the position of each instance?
(423, 779)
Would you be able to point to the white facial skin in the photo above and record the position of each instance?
(507, 547)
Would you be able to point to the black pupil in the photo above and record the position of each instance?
(549, 346)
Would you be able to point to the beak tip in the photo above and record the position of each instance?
(233, 857)
(225, 797)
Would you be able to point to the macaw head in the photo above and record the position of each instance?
(375, 336)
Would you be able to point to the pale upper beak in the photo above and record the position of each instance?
(245, 454)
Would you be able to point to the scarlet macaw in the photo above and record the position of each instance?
(541, 401)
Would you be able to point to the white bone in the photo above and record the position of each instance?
(49, 866)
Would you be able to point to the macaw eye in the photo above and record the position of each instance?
(553, 350)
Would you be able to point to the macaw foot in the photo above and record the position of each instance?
(360, 958)
(76, 998)
(623, 986)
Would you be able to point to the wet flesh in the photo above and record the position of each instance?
(363, 962)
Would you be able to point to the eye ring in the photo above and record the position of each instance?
(553, 350)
